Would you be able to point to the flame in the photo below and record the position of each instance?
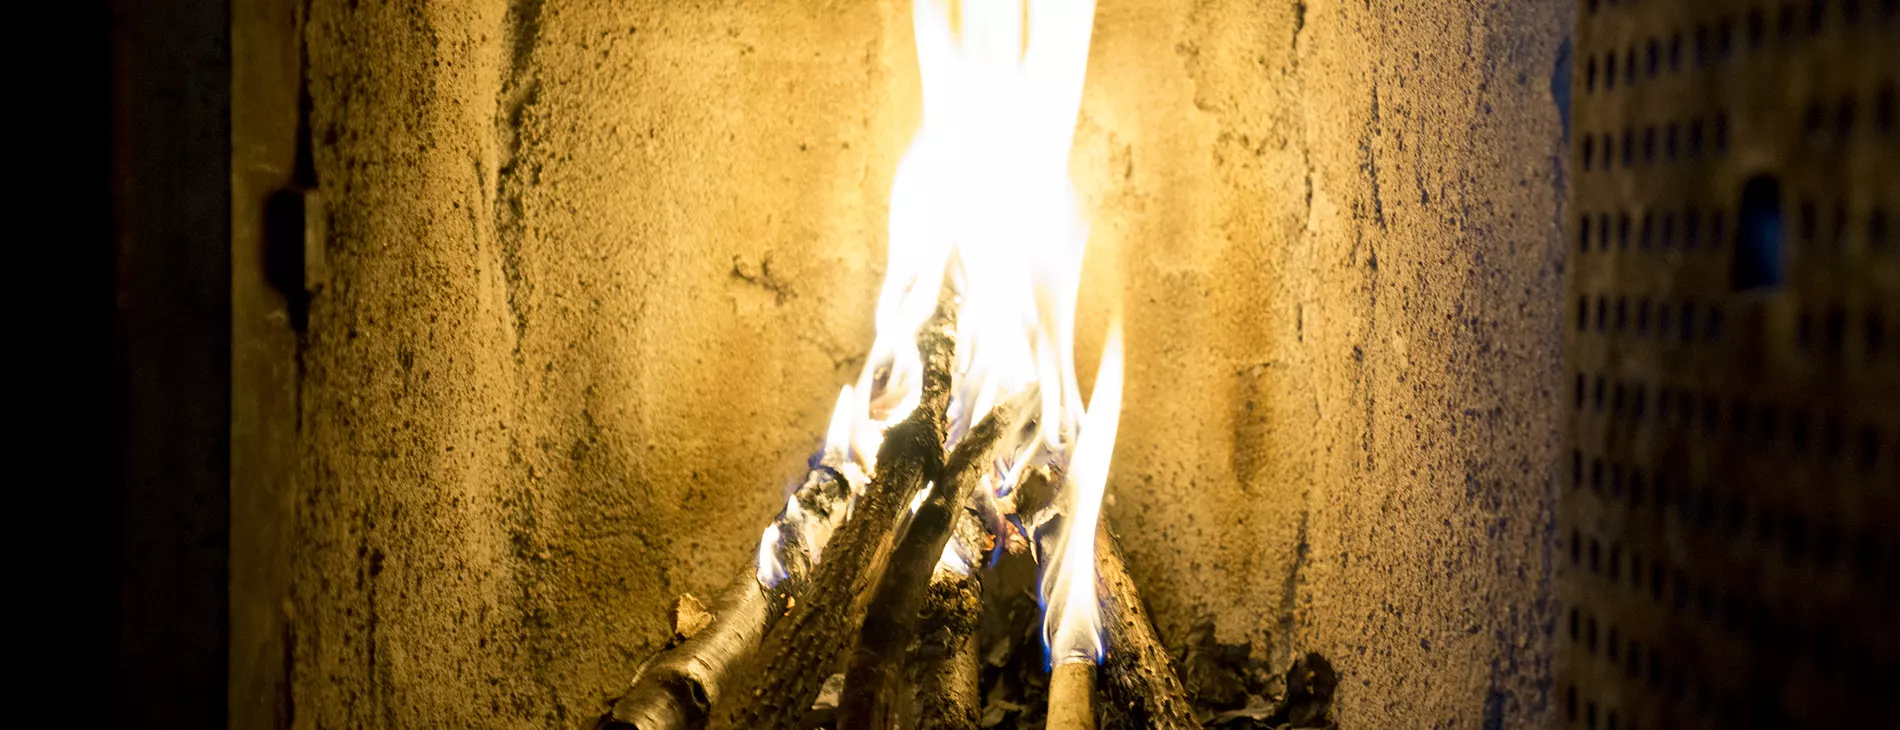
(983, 198)
(1072, 620)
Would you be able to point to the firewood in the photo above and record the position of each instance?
(676, 689)
(1071, 695)
(1137, 683)
(944, 663)
(776, 687)
(876, 693)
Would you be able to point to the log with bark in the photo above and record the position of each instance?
(677, 688)
(776, 686)
(944, 666)
(1137, 685)
(877, 694)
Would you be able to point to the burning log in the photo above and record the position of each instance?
(676, 689)
(1138, 684)
(945, 668)
(875, 684)
(777, 686)
(1071, 697)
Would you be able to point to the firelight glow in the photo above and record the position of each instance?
(983, 196)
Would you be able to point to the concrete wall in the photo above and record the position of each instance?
(595, 271)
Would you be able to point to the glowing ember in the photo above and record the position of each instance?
(983, 196)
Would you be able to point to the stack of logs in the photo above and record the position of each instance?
(878, 608)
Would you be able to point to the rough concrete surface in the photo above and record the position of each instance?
(595, 271)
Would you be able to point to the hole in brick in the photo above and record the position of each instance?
(1884, 109)
(1757, 28)
(1669, 141)
(1835, 329)
(1639, 402)
(1691, 227)
(1629, 146)
(1623, 231)
(1603, 231)
(1609, 70)
(1596, 475)
(1642, 317)
(1622, 314)
(1675, 52)
(1877, 230)
(1653, 57)
(1721, 134)
(1787, 23)
(1629, 67)
(1817, 15)
(1844, 117)
(1869, 449)
(1806, 222)
(1876, 335)
(1725, 37)
(1757, 261)
(1649, 145)
(1687, 326)
(1602, 312)
(1590, 75)
(1646, 232)
(1583, 316)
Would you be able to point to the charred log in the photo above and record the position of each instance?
(776, 688)
(944, 666)
(877, 691)
(1137, 684)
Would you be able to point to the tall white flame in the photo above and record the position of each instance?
(983, 196)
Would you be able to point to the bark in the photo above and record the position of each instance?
(1137, 682)
(777, 686)
(877, 693)
(944, 666)
(676, 689)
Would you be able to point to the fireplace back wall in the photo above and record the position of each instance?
(589, 275)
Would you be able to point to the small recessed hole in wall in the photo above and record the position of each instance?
(1889, 10)
(1718, 321)
(1656, 575)
(1869, 449)
(1570, 690)
(1687, 322)
(1636, 495)
(1681, 594)
(1691, 227)
(1576, 455)
(1629, 67)
(1766, 522)
(1702, 45)
(1590, 707)
(1717, 233)
(1634, 666)
(1583, 317)
(1739, 416)
(1757, 28)
(1665, 397)
(1590, 633)
(1602, 312)
(1655, 669)
(1590, 75)
(1675, 52)
(1649, 145)
(1733, 613)
(1758, 257)
(1824, 650)
(1609, 71)
(1623, 231)
(1642, 317)
(1711, 415)
(1575, 627)
(1817, 15)
(1705, 508)
(1787, 24)
(1850, 11)
(1799, 427)
(1639, 401)
(1603, 231)
(1804, 331)
(1613, 647)
(1706, 601)
(1844, 117)
(1721, 134)
(1616, 479)
(1877, 230)
(1596, 475)
(1734, 516)
(1663, 320)
(1576, 558)
(1669, 141)
(1768, 425)
(1622, 312)
(1653, 57)
(1629, 146)
(1616, 408)
(1616, 574)
(1609, 151)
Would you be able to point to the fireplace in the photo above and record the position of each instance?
(540, 310)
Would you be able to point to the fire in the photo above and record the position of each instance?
(983, 197)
